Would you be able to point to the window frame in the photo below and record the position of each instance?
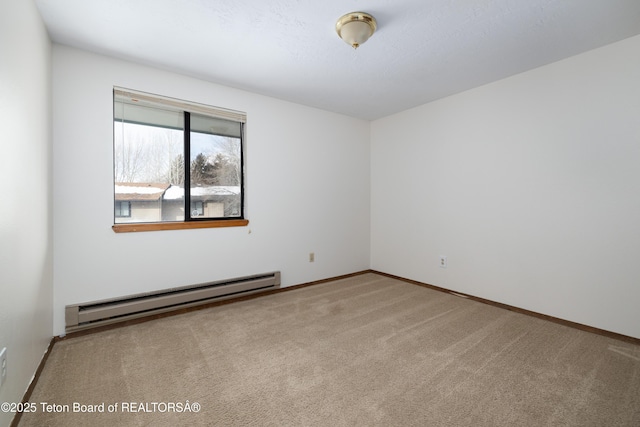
(187, 108)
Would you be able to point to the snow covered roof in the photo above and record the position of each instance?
(175, 192)
(156, 191)
(139, 191)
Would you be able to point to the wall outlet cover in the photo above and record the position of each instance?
(443, 261)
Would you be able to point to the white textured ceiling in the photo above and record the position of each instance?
(288, 49)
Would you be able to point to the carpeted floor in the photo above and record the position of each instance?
(362, 351)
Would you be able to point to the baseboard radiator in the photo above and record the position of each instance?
(105, 312)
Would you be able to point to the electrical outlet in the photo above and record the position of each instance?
(3, 365)
(312, 257)
(443, 261)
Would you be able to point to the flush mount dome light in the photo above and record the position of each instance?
(355, 28)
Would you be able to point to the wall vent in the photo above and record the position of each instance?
(105, 312)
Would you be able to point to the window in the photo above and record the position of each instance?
(123, 209)
(177, 164)
(197, 209)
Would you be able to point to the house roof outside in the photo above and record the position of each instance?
(128, 191)
(175, 192)
(136, 191)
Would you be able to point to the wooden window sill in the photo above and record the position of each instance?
(158, 226)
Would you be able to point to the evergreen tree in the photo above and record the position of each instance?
(224, 171)
(202, 171)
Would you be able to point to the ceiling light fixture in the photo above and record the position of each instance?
(355, 28)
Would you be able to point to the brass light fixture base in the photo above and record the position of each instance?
(355, 28)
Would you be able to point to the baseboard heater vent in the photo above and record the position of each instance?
(99, 313)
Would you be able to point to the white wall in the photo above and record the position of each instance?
(307, 190)
(25, 218)
(530, 186)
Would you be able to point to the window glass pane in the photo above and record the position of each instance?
(216, 166)
(148, 163)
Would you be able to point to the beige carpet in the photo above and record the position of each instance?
(362, 351)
